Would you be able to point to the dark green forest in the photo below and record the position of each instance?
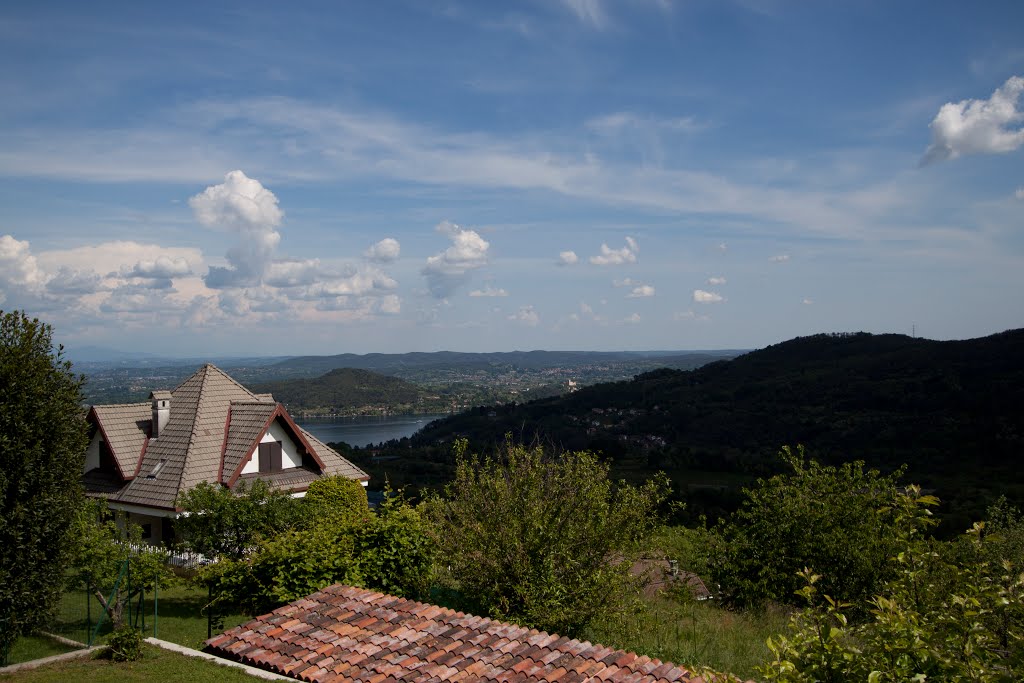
(346, 391)
(951, 411)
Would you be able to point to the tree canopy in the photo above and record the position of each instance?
(540, 540)
(43, 436)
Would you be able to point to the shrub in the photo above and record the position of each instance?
(125, 644)
(542, 541)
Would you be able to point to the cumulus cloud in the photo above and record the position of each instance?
(242, 205)
(978, 126)
(390, 304)
(489, 291)
(568, 258)
(19, 269)
(452, 267)
(161, 267)
(779, 258)
(632, 319)
(640, 292)
(703, 297)
(616, 257)
(807, 302)
(625, 282)
(526, 315)
(716, 281)
(385, 251)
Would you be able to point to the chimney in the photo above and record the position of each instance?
(161, 412)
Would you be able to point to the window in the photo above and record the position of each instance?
(270, 457)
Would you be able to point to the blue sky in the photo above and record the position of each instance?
(262, 178)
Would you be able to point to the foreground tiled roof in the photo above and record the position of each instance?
(352, 634)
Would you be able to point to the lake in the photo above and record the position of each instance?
(363, 431)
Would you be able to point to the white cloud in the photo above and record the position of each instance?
(807, 302)
(240, 204)
(640, 292)
(385, 251)
(452, 267)
(18, 267)
(626, 282)
(978, 126)
(617, 257)
(161, 267)
(702, 297)
(488, 291)
(568, 258)
(722, 247)
(620, 121)
(588, 11)
(779, 258)
(632, 319)
(294, 273)
(716, 281)
(1019, 194)
(390, 304)
(526, 315)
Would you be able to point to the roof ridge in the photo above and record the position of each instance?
(120, 405)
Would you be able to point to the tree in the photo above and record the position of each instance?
(43, 436)
(103, 544)
(220, 522)
(837, 521)
(542, 541)
(946, 614)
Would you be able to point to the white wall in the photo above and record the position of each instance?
(290, 456)
(92, 453)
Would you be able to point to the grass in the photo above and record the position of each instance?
(179, 611)
(696, 634)
(156, 666)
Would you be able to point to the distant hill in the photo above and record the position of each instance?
(347, 390)
(406, 364)
(953, 411)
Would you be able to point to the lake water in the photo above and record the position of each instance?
(363, 431)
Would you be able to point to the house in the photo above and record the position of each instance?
(352, 634)
(209, 429)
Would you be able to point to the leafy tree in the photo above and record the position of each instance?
(337, 499)
(387, 550)
(836, 521)
(542, 541)
(103, 544)
(219, 522)
(43, 437)
(943, 616)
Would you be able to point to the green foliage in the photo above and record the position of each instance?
(103, 543)
(944, 616)
(837, 521)
(219, 522)
(125, 644)
(337, 499)
(43, 437)
(387, 551)
(542, 541)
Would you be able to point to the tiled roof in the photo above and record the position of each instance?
(125, 428)
(334, 463)
(213, 425)
(248, 420)
(352, 634)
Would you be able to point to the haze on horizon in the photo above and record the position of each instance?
(246, 179)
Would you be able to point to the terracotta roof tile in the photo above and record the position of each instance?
(351, 634)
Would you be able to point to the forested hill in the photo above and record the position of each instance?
(952, 411)
(347, 390)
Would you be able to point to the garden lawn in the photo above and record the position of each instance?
(156, 666)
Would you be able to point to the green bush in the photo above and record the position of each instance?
(542, 541)
(837, 521)
(944, 616)
(125, 644)
(335, 498)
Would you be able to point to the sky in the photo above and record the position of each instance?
(211, 179)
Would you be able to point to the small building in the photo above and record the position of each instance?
(208, 429)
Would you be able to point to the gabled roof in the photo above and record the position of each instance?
(125, 428)
(352, 634)
(214, 425)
